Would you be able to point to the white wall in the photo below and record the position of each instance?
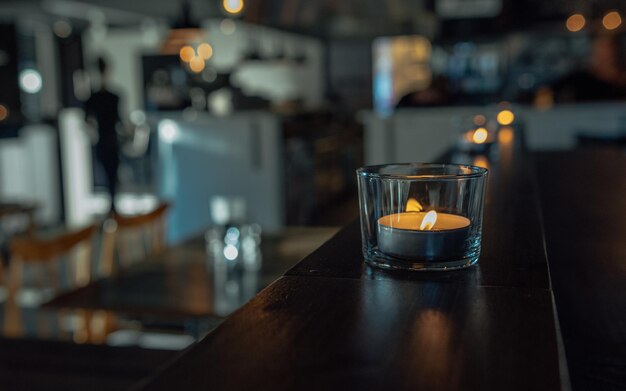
(76, 166)
(236, 156)
(558, 127)
(413, 135)
(29, 171)
(423, 134)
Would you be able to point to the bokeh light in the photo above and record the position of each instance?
(187, 53)
(62, 28)
(205, 51)
(480, 135)
(233, 6)
(228, 26)
(4, 112)
(230, 252)
(30, 81)
(169, 130)
(612, 20)
(505, 117)
(575, 22)
(209, 75)
(479, 120)
(196, 64)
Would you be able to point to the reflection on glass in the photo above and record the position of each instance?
(235, 259)
(481, 161)
(233, 285)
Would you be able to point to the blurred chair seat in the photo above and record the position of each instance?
(47, 255)
(39, 268)
(126, 240)
(129, 239)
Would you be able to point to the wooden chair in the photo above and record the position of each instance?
(127, 239)
(28, 250)
(132, 238)
(43, 257)
(12, 212)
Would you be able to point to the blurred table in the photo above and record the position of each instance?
(186, 282)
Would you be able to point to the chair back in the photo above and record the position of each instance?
(46, 255)
(132, 238)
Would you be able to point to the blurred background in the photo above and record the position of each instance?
(225, 134)
(279, 102)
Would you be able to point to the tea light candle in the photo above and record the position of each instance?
(422, 235)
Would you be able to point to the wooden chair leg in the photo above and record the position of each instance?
(61, 319)
(15, 278)
(2, 281)
(103, 323)
(13, 325)
(82, 334)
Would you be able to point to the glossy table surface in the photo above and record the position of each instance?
(333, 322)
(583, 196)
(185, 281)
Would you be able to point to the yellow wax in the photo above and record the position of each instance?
(413, 220)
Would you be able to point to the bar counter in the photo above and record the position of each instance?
(333, 322)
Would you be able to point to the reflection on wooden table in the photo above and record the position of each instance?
(184, 288)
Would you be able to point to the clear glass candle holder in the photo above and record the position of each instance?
(421, 216)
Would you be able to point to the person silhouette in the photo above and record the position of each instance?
(102, 109)
(603, 79)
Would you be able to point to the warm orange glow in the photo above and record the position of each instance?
(505, 135)
(544, 99)
(575, 22)
(429, 221)
(4, 112)
(413, 205)
(612, 20)
(469, 136)
(481, 161)
(196, 64)
(479, 119)
(205, 51)
(505, 117)
(233, 6)
(413, 220)
(480, 135)
(186, 53)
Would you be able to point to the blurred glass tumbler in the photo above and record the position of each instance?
(421, 216)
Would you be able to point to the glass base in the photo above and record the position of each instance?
(377, 259)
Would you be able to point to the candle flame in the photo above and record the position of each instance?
(480, 135)
(413, 205)
(428, 222)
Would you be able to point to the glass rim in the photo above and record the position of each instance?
(373, 171)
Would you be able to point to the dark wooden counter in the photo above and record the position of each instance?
(584, 203)
(332, 322)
